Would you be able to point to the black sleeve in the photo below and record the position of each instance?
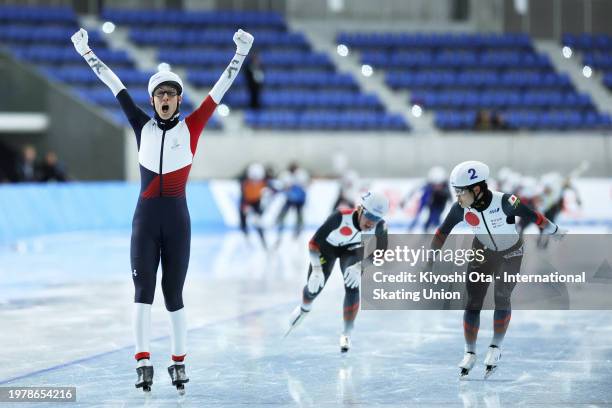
(454, 217)
(382, 238)
(381, 235)
(512, 206)
(332, 222)
(133, 113)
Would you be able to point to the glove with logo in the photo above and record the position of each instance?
(243, 41)
(79, 40)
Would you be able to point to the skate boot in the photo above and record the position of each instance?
(345, 343)
(178, 377)
(491, 360)
(145, 378)
(296, 318)
(469, 359)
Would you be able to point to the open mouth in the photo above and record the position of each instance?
(165, 108)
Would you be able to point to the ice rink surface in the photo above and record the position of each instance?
(65, 319)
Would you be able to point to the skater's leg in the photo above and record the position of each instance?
(476, 292)
(259, 211)
(175, 254)
(471, 325)
(433, 219)
(280, 220)
(415, 220)
(351, 308)
(299, 223)
(501, 320)
(242, 211)
(144, 257)
(511, 264)
(175, 262)
(142, 333)
(178, 323)
(351, 296)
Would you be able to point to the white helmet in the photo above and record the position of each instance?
(374, 205)
(436, 175)
(469, 173)
(256, 171)
(161, 77)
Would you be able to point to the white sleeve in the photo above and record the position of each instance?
(227, 78)
(104, 73)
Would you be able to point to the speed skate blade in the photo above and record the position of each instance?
(489, 371)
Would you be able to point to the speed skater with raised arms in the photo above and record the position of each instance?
(161, 227)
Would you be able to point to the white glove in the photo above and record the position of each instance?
(559, 234)
(243, 41)
(316, 280)
(352, 276)
(79, 39)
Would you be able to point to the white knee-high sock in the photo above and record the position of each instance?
(142, 330)
(178, 321)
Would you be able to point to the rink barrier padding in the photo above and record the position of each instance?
(31, 209)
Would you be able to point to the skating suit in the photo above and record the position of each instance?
(161, 227)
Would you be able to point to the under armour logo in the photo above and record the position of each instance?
(134, 273)
(96, 64)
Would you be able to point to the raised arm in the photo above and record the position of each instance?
(198, 118)
(134, 114)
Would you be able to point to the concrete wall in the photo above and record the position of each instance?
(222, 156)
(427, 10)
(549, 19)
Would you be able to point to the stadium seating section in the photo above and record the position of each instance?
(302, 89)
(459, 75)
(596, 52)
(41, 36)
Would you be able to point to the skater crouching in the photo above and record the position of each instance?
(491, 216)
(340, 238)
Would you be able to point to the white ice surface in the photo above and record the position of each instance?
(65, 310)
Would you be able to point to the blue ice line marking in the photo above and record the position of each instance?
(84, 359)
